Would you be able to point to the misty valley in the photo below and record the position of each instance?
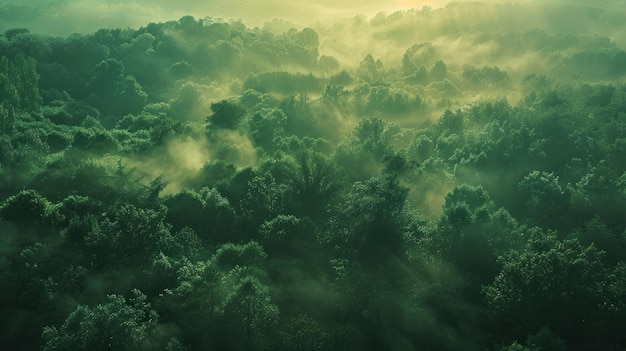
(429, 178)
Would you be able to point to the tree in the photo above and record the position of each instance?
(219, 216)
(315, 185)
(265, 199)
(226, 114)
(113, 92)
(28, 84)
(107, 74)
(369, 69)
(175, 345)
(129, 235)
(27, 207)
(472, 232)
(19, 83)
(369, 143)
(417, 55)
(372, 222)
(214, 172)
(450, 123)
(130, 97)
(119, 324)
(304, 333)
(550, 283)
(181, 69)
(188, 104)
(229, 256)
(547, 200)
(397, 165)
(266, 125)
(7, 118)
(185, 210)
(287, 236)
(250, 316)
(195, 303)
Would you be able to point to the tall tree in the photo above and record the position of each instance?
(119, 324)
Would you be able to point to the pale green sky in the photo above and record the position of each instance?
(62, 17)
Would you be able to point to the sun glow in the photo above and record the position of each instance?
(417, 4)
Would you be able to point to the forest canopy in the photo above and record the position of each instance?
(394, 175)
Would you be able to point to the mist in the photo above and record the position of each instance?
(333, 175)
(83, 16)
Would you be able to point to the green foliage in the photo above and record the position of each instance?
(467, 194)
(230, 255)
(473, 232)
(266, 125)
(113, 92)
(19, 83)
(547, 200)
(206, 211)
(129, 235)
(304, 333)
(315, 184)
(251, 314)
(226, 114)
(287, 236)
(180, 70)
(490, 75)
(188, 104)
(175, 345)
(283, 82)
(265, 199)
(515, 347)
(198, 297)
(119, 324)
(554, 283)
(371, 221)
(370, 142)
(386, 100)
(94, 140)
(26, 207)
(215, 171)
(369, 69)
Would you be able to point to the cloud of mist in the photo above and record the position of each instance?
(178, 163)
(64, 17)
(181, 160)
(452, 29)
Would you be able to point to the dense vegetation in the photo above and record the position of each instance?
(200, 184)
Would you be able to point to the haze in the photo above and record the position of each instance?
(64, 17)
(324, 175)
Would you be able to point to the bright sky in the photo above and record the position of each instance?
(62, 17)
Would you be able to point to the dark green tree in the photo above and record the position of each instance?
(250, 316)
(266, 125)
(119, 324)
(114, 92)
(315, 185)
(473, 232)
(225, 114)
(553, 283)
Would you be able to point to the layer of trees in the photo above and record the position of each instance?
(353, 206)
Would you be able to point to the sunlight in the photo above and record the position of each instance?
(417, 4)
(312, 175)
